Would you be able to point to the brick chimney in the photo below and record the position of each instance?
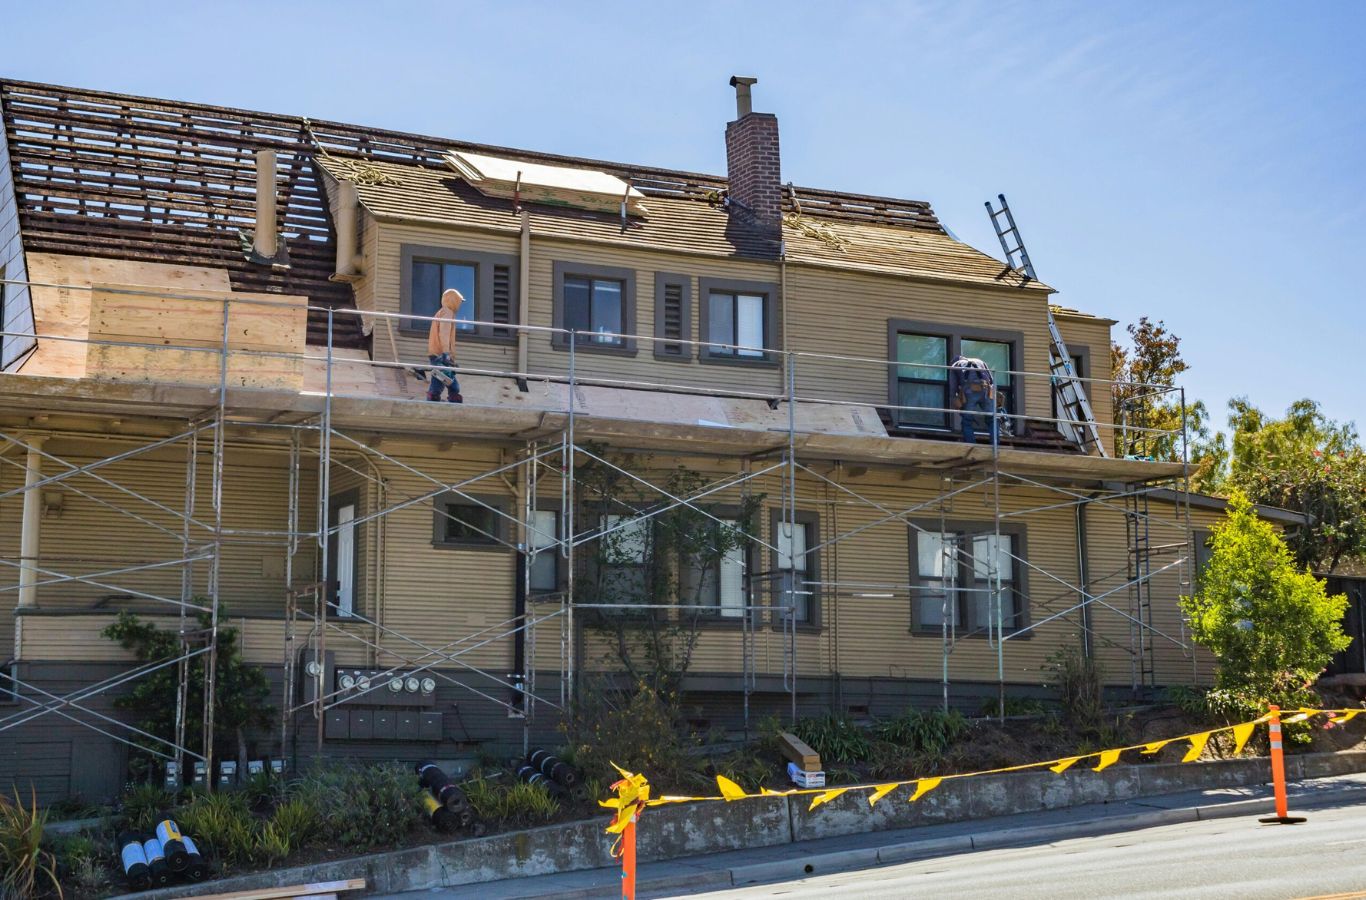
(752, 164)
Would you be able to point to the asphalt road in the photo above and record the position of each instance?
(1224, 858)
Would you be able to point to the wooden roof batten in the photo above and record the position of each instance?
(115, 175)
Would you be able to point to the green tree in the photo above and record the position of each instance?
(1271, 625)
(240, 694)
(1147, 407)
(1307, 463)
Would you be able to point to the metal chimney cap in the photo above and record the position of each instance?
(743, 102)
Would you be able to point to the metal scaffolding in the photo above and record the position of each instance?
(311, 611)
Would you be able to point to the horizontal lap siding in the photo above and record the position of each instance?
(844, 313)
(16, 318)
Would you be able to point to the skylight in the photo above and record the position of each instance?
(495, 176)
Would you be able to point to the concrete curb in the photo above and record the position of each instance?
(696, 830)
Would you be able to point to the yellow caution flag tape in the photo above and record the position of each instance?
(633, 790)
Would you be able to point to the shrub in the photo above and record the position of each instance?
(1271, 626)
(144, 805)
(272, 844)
(929, 731)
(297, 820)
(222, 824)
(25, 866)
(637, 730)
(1080, 683)
(749, 768)
(836, 738)
(518, 804)
(364, 807)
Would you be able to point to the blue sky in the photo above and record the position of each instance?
(1200, 163)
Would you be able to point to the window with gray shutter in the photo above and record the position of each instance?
(502, 299)
(673, 316)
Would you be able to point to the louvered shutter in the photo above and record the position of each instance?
(502, 300)
(673, 316)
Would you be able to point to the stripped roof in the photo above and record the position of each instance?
(117, 176)
(411, 193)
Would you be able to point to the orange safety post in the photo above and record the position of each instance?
(1282, 816)
(628, 860)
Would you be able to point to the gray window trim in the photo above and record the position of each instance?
(769, 291)
(955, 335)
(813, 520)
(563, 268)
(1018, 531)
(661, 280)
(483, 286)
(498, 502)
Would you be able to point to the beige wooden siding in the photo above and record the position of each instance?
(1091, 338)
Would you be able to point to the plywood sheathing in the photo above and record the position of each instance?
(61, 301)
(185, 333)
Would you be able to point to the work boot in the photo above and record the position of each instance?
(456, 398)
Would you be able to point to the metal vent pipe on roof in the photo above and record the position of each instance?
(267, 242)
(744, 104)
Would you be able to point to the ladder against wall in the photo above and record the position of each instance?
(1078, 421)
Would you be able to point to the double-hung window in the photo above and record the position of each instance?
(716, 584)
(959, 576)
(624, 559)
(997, 356)
(542, 542)
(461, 521)
(922, 382)
(796, 567)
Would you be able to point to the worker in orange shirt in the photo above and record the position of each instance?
(441, 348)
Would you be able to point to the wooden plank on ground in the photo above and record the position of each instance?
(292, 892)
(796, 750)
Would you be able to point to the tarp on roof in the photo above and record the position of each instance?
(495, 176)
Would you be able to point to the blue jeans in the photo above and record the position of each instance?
(442, 364)
(979, 401)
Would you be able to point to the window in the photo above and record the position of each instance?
(598, 304)
(624, 550)
(343, 567)
(593, 306)
(431, 280)
(996, 354)
(717, 586)
(796, 568)
(1204, 552)
(673, 316)
(485, 280)
(737, 321)
(954, 578)
(919, 383)
(922, 380)
(471, 522)
(545, 560)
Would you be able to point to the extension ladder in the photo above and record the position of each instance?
(1079, 421)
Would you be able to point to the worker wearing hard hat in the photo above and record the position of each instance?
(441, 348)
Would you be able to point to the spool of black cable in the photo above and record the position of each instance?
(442, 819)
(156, 862)
(447, 793)
(553, 767)
(173, 845)
(196, 869)
(531, 775)
(136, 872)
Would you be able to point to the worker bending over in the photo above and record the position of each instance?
(441, 348)
(972, 391)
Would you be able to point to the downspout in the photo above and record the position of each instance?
(1084, 575)
(32, 522)
(524, 300)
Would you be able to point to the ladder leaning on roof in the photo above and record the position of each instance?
(1079, 421)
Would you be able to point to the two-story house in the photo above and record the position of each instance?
(215, 339)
